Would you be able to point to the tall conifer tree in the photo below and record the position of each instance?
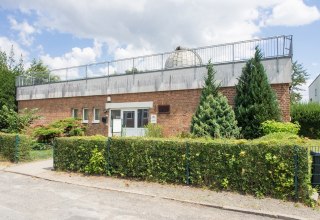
(255, 101)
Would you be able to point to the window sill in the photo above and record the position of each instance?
(85, 122)
(95, 122)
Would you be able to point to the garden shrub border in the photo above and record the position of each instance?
(308, 116)
(14, 147)
(259, 169)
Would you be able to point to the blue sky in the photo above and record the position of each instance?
(67, 33)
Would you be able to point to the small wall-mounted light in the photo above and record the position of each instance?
(108, 99)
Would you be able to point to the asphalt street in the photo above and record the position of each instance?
(23, 197)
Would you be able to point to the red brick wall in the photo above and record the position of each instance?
(282, 92)
(183, 104)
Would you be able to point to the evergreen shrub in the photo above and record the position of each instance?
(308, 116)
(214, 117)
(258, 168)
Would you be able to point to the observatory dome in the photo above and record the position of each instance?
(183, 57)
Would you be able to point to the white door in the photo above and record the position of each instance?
(133, 121)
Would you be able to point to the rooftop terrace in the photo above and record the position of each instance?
(271, 47)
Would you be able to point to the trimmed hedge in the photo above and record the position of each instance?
(9, 149)
(259, 169)
(308, 116)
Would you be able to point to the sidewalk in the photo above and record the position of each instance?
(223, 200)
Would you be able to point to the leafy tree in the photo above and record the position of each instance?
(8, 73)
(255, 101)
(40, 73)
(214, 117)
(298, 77)
(132, 70)
(13, 122)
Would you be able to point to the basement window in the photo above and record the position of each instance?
(163, 109)
(85, 115)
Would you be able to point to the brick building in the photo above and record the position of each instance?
(120, 97)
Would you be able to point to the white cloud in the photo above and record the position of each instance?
(162, 24)
(132, 51)
(24, 29)
(76, 57)
(6, 45)
(131, 28)
(293, 13)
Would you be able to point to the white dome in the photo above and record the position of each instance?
(182, 57)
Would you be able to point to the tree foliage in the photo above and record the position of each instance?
(255, 101)
(214, 117)
(298, 77)
(40, 73)
(62, 128)
(10, 120)
(8, 72)
(13, 122)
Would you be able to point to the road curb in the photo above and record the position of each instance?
(227, 208)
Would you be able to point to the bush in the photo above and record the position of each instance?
(97, 162)
(154, 130)
(308, 116)
(256, 168)
(14, 122)
(185, 134)
(62, 128)
(269, 127)
(40, 146)
(9, 150)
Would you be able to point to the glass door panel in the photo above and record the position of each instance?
(128, 119)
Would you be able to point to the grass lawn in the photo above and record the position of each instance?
(40, 154)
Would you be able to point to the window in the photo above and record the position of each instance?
(164, 109)
(85, 115)
(130, 115)
(75, 113)
(96, 115)
(315, 92)
(143, 117)
(128, 119)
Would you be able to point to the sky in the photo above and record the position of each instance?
(66, 33)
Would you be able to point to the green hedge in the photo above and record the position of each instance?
(15, 150)
(308, 116)
(259, 168)
(271, 126)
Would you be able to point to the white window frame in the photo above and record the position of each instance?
(94, 116)
(73, 116)
(85, 121)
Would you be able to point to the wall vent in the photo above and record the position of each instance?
(163, 109)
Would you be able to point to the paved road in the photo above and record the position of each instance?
(23, 197)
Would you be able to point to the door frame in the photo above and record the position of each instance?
(135, 110)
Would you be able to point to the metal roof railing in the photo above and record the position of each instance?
(271, 47)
